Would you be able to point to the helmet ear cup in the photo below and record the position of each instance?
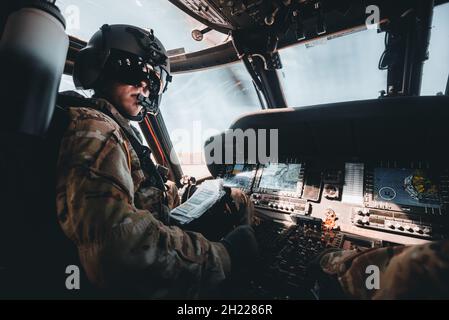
(87, 68)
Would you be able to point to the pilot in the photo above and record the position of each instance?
(111, 200)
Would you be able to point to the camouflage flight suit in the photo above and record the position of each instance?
(405, 272)
(117, 225)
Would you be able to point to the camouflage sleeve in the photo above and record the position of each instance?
(119, 245)
(401, 272)
(152, 199)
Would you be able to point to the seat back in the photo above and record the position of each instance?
(34, 250)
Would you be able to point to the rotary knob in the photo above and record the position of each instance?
(330, 191)
(389, 224)
(417, 229)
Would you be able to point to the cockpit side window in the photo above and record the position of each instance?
(67, 84)
(436, 69)
(340, 69)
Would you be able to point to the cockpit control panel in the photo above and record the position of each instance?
(407, 199)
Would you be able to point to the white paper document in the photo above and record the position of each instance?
(207, 194)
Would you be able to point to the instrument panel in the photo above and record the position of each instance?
(385, 200)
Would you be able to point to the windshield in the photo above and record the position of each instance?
(201, 104)
(172, 26)
(341, 69)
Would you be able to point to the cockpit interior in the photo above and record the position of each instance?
(357, 168)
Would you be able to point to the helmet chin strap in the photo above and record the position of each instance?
(138, 118)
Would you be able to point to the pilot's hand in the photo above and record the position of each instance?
(241, 206)
(172, 194)
(243, 249)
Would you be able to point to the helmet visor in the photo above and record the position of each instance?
(131, 69)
